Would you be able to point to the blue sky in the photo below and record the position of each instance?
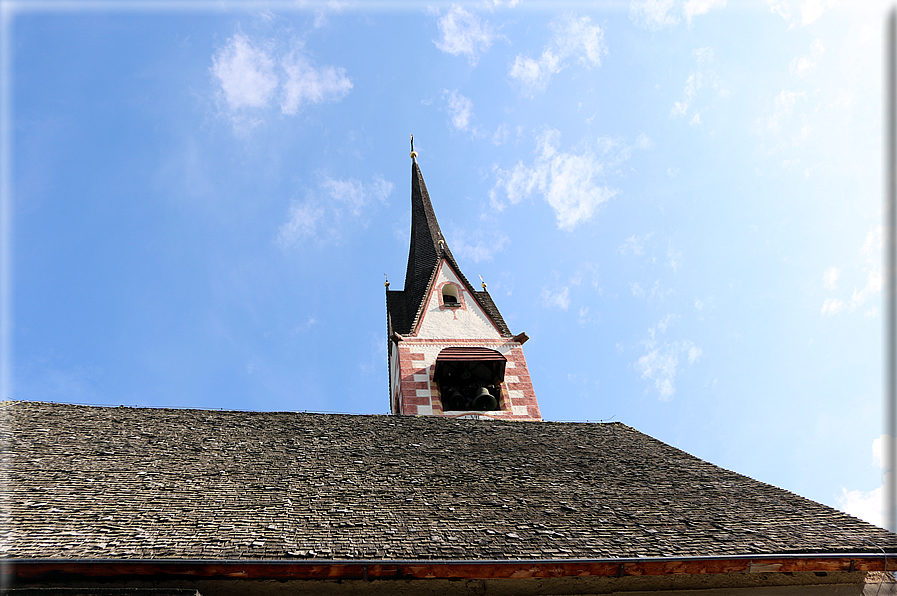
(678, 201)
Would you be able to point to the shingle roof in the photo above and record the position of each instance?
(87, 482)
(404, 306)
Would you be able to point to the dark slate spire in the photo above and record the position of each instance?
(427, 242)
(428, 245)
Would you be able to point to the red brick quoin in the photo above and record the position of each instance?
(419, 394)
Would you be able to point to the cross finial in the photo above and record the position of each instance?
(413, 152)
(484, 283)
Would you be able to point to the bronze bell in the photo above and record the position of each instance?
(484, 401)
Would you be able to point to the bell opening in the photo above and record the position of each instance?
(469, 386)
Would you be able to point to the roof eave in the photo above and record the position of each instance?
(282, 569)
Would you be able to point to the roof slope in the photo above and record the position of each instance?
(88, 482)
(405, 306)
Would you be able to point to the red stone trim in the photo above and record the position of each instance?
(412, 362)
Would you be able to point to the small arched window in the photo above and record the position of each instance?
(450, 295)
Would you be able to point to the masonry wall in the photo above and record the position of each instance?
(419, 394)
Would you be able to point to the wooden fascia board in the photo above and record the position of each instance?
(30, 569)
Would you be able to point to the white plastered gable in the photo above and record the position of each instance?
(469, 321)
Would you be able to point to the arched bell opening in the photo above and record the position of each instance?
(469, 379)
(450, 295)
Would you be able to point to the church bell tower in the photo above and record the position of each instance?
(450, 352)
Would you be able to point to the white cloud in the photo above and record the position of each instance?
(783, 106)
(355, 195)
(317, 218)
(801, 67)
(697, 80)
(698, 304)
(558, 299)
(652, 14)
(245, 73)
(249, 78)
(871, 250)
(636, 289)
(634, 244)
(306, 84)
(865, 505)
(661, 361)
(832, 306)
(675, 259)
(694, 8)
(567, 181)
(643, 141)
(665, 322)
(573, 38)
(657, 14)
(303, 221)
(811, 10)
(501, 134)
(579, 38)
(779, 7)
(868, 506)
(584, 315)
(881, 447)
(464, 33)
(460, 108)
(830, 277)
(478, 246)
(533, 75)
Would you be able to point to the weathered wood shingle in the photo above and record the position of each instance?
(88, 482)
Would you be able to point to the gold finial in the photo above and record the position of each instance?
(413, 152)
(387, 281)
(484, 283)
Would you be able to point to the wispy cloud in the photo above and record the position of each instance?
(657, 14)
(653, 14)
(306, 84)
(249, 78)
(460, 109)
(302, 223)
(868, 505)
(558, 298)
(702, 77)
(810, 10)
(830, 278)
(321, 213)
(801, 67)
(245, 73)
(832, 306)
(635, 245)
(567, 181)
(464, 33)
(783, 107)
(871, 270)
(574, 38)
(871, 250)
(695, 8)
(661, 362)
(477, 245)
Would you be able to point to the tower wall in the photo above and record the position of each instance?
(418, 393)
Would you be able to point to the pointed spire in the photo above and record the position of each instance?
(427, 242)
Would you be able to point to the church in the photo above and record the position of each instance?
(463, 489)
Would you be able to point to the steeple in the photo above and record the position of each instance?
(427, 241)
(449, 347)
